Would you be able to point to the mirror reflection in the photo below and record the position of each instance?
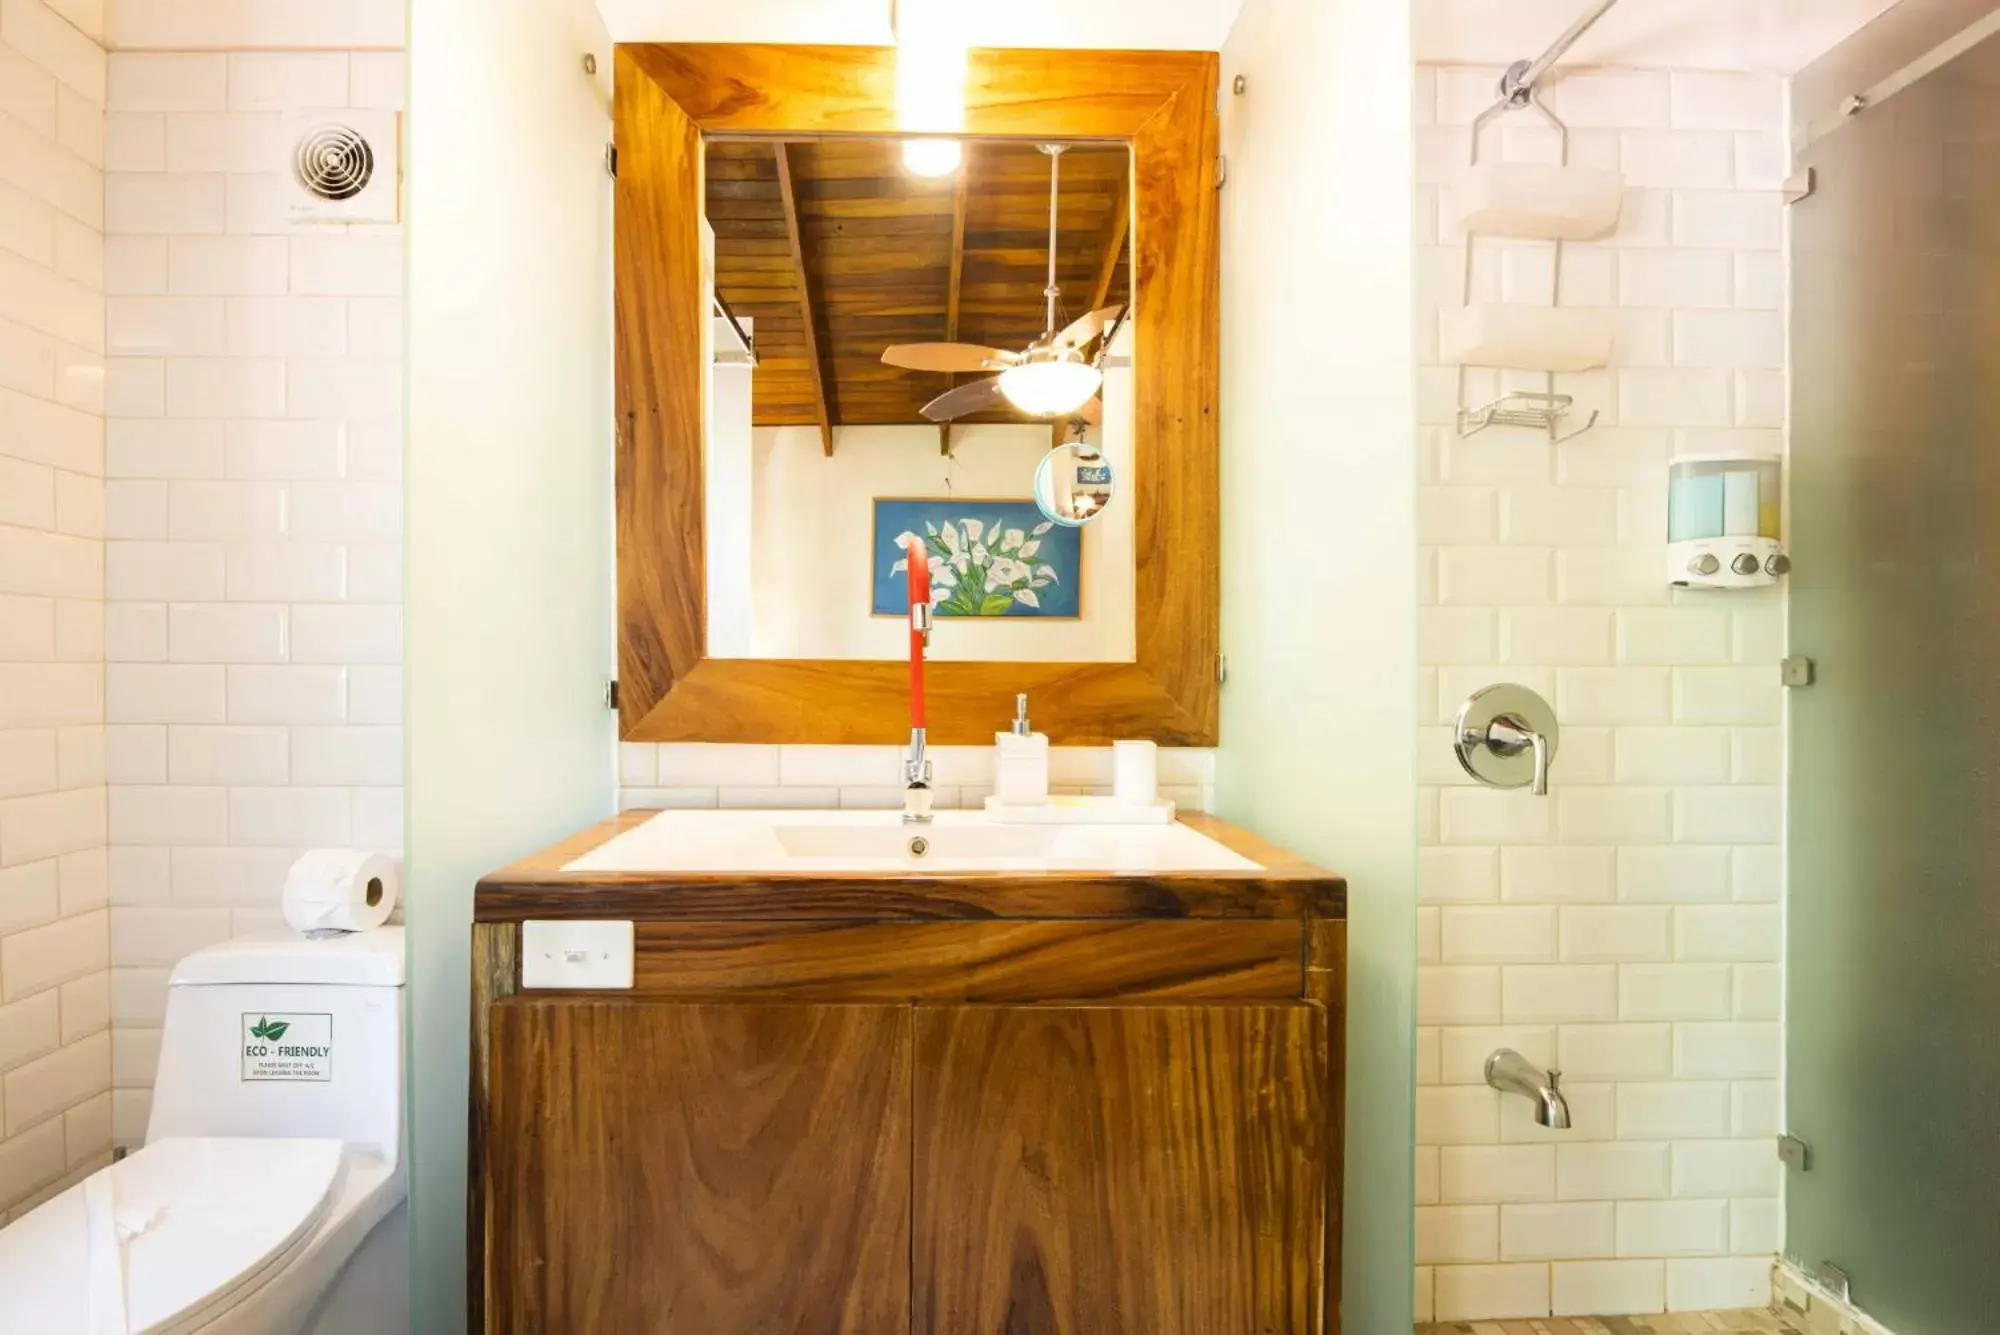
(891, 360)
(1073, 485)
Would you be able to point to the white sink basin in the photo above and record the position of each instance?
(898, 843)
(711, 842)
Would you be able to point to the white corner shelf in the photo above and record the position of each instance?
(1510, 337)
(1535, 201)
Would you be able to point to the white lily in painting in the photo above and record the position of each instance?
(980, 568)
(1003, 573)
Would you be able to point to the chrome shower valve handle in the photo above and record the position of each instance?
(1506, 737)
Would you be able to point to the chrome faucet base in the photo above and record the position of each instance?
(917, 782)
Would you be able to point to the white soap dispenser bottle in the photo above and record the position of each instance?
(1021, 771)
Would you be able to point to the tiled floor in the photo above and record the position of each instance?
(1757, 1322)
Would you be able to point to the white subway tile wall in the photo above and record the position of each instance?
(55, 984)
(253, 507)
(698, 774)
(1624, 928)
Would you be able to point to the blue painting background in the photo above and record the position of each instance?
(1059, 548)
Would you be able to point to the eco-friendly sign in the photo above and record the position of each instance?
(287, 1047)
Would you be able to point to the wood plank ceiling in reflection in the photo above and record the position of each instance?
(879, 256)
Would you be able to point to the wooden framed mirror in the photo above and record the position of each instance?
(673, 103)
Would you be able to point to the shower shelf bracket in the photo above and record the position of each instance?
(1524, 408)
(1546, 409)
(1520, 90)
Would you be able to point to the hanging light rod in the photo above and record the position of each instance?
(747, 354)
(1518, 84)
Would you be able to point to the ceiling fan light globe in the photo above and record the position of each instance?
(1050, 389)
(931, 157)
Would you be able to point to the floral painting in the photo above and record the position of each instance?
(987, 559)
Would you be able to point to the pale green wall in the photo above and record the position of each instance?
(1319, 553)
(510, 617)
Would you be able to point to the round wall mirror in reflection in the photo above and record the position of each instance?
(1073, 485)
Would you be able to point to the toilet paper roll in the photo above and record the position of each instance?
(342, 890)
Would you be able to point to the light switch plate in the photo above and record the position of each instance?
(576, 954)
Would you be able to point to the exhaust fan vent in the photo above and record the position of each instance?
(341, 167)
(333, 162)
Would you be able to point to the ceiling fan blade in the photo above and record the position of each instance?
(946, 357)
(972, 398)
(1085, 328)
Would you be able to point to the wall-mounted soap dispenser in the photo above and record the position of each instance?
(1723, 516)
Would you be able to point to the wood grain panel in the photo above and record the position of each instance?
(496, 971)
(971, 961)
(656, 898)
(1163, 104)
(662, 590)
(1326, 986)
(802, 90)
(853, 701)
(1177, 281)
(699, 1170)
(1118, 1170)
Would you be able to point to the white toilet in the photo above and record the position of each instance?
(268, 1198)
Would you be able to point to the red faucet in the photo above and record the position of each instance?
(917, 768)
(920, 625)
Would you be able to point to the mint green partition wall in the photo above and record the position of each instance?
(1893, 936)
(1319, 596)
(510, 520)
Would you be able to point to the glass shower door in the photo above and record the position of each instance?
(1893, 908)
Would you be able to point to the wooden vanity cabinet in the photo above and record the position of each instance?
(668, 1167)
(922, 1124)
(1119, 1168)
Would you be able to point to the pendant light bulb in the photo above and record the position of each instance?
(1050, 389)
(931, 157)
(930, 83)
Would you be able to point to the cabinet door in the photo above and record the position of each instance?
(1119, 1170)
(660, 1169)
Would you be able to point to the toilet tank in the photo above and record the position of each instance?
(285, 1036)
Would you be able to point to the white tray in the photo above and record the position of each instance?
(1527, 338)
(1535, 201)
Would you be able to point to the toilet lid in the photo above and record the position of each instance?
(199, 1220)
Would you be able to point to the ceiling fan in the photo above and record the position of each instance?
(1051, 377)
